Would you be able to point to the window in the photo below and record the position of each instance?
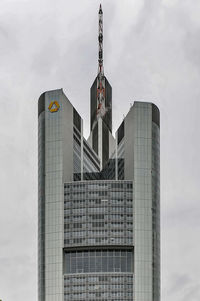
(95, 261)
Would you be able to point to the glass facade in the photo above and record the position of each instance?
(83, 154)
(92, 287)
(156, 209)
(41, 205)
(54, 166)
(98, 213)
(98, 226)
(146, 201)
(95, 261)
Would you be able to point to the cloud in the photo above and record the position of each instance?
(151, 51)
(184, 288)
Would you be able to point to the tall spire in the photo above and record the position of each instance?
(100, 38)
(101, 110)
(101, 105)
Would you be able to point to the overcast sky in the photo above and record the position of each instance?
(152, 53)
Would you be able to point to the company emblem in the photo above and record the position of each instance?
(54, 106)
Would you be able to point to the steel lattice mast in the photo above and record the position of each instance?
(100, 39)
(101, 110)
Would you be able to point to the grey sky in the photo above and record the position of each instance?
(152, 53)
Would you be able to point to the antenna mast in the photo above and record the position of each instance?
(101, 110)
(100, 39)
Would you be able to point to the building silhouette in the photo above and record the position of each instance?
(98, 199)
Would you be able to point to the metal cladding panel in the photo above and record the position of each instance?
(155, 115)
(93, 104)
(129, 139)
(120, 133)
(41, 104)
(105, 143)
(108, 99)
(67, 130)
(141, 142)
(95, 139)
(53, 197)
(55, 149)
(41, 206)
(143, 201)
(156, 209)
(77, 119)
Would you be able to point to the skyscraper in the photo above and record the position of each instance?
(98, 199)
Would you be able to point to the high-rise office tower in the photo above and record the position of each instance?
(99, 229)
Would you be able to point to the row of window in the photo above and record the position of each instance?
(95, 194)
(105, 217)
(108, 278)
(99, 287)
(119, 185)
(93, 233)
(89, 295)
(99, 261)
(99, 241)
(101, 201)
(98, 225)
(97, 209)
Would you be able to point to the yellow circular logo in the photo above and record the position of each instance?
(54, 106)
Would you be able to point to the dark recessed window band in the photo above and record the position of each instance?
(95, 261)
(41, 104)
(155, 115)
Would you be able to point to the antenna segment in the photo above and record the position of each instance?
(101, 110)
(100, 39)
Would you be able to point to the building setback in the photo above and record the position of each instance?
(98, 199)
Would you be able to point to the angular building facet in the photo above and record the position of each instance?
(98, 199)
